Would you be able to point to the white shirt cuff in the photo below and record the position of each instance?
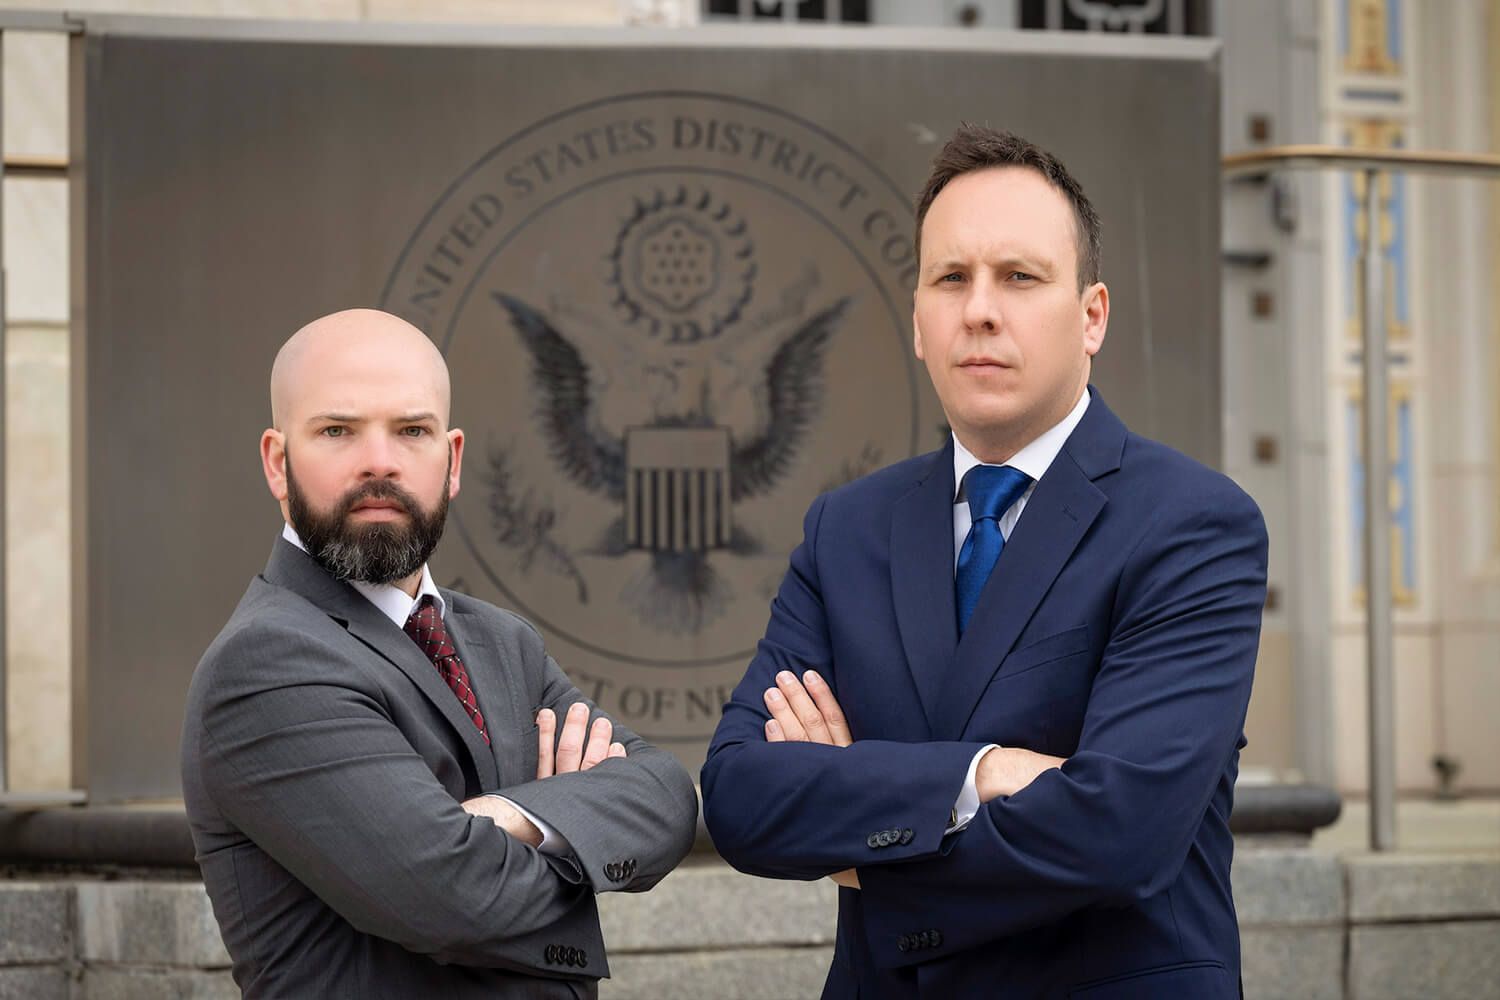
(967, 805)
(553, 843)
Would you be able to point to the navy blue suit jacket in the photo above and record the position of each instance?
(1118, 629)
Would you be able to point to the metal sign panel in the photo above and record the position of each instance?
(671, 273)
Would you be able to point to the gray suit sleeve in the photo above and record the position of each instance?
(320, 778)
(629, 820)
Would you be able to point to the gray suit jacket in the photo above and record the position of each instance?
(323, 763)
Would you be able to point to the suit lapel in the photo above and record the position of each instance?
(492, 689)
(294, 569)
(922, 578)
(1059, 513)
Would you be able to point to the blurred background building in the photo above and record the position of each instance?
(1382, 73)
(1400, 74)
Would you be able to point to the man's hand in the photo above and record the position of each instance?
(506, 817)
(805, 714)
(1007, 770)
(581, 746)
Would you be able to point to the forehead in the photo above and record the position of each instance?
(1014, 208)
(367, 383)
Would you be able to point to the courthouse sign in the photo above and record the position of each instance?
(671, 272)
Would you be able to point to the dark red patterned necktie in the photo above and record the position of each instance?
(425, 626)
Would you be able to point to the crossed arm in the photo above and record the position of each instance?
(1109, 826)
(580, 747)
(807, 711)
(319, 778)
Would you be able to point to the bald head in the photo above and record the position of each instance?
(320, 360)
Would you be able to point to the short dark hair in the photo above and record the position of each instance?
(976, 147)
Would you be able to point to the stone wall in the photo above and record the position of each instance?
(1314, 925)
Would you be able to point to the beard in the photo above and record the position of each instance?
(370, 553)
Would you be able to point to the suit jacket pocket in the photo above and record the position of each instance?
(1200, 980)
(1042, 651)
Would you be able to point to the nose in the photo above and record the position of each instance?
(379, 457)
(981, 307)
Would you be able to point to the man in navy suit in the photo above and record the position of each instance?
(1001, 696)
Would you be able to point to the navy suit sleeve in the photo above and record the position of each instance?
(804, 810)
(1160, 737)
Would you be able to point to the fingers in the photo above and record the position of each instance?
(580, 746)
(546, 741)
(828, 707)
(598, 748)
(773, 732)
(570, 746)
(783, 717)
(804, 712)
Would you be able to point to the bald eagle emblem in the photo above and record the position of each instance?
(693, 409)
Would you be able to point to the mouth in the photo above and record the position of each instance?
(983, 364)
(378, 510)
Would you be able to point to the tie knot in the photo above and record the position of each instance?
(426, 614)
(991, 489)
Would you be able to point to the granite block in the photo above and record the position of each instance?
(32, 982)
(1279, 963)
(1404, 886)
(710, 905)
(103, 983)
(750, 974)
(1280, 886)
(1440, 961)
(148, 923)
(34, 923)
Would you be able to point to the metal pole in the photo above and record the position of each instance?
(4, 369)
(1378, 536)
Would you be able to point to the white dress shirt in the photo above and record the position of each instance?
(397, 605)
(1034, 460)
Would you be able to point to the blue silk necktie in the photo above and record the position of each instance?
(990, 490)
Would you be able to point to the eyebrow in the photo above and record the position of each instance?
(1018, 262)
(424, 416)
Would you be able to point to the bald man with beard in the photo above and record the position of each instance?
(393, 790)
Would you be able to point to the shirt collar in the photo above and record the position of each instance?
(1034, 459)
(392, 601)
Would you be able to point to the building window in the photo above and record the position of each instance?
(1150, 17)
(828, 11)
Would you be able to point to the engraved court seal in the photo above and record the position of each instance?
(672, 319)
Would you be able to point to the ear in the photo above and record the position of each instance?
(455, 463)
(273, 461)
(916, 336)
(1095, 317)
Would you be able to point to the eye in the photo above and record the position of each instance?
(334, 431)
(1021, 276)
(414, 431)
(952, 277)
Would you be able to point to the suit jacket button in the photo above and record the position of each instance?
(873, 840)
(906, 836)
(583, 958)
(550, 954)
(904, 943)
